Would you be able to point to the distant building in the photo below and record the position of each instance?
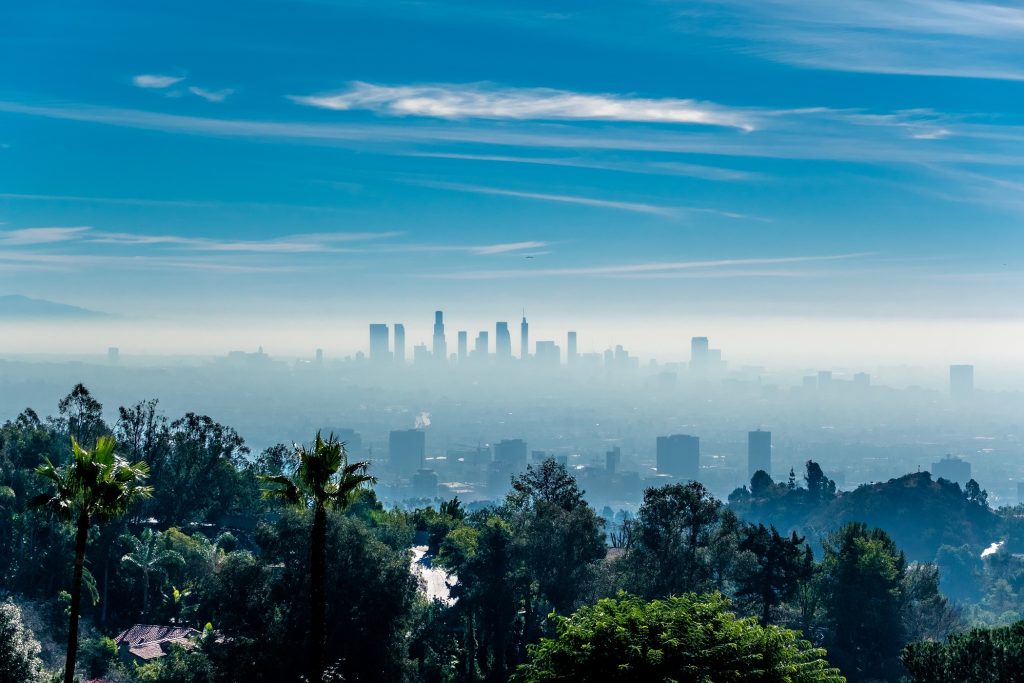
(961, 382)
(424, 484)
(113, 354)
(548, 354)
(510, 454)
(862, 379)
(502, 341)
(406, 450)
(319, 356)
(524, 339)
(537, 457)
(379, 351)
(352, 439)
(612, 459)
(824, 379)
(399, 344)
(952, 468)
(698, 354)
(759, 452)
(481, 347)
(420, 355)
(810, 382)
(678, 456)
(570, 349)
(1020, 493)
(440, 345)
(463, 346)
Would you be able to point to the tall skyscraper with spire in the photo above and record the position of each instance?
(440, 347)
(524, 338)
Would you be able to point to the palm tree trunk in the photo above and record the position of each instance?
(317, 597)
(81, 536)
(145, 593)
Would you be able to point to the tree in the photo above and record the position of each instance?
(977, 656)
(19, 650)
(760, 484)
(148, 555)
(864, 575)
(820, 489)
(683, 638)
(776, 565)
(95, 485)
(324, 479)
(83, 415)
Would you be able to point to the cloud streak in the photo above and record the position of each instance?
(155, 81)
(484, 101)
(635, 207)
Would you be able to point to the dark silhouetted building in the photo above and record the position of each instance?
(510, 454)
(399, 344)
(612, 459)
(678, 456)
(759, 452)
(524, 339)
(424, 484)
(406, 449)
(953, 469)
(379, 351)
(440, 346)
(502, 341)
(961, 382)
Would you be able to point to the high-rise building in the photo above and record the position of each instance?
(113, 354)
(861, 379)
(399, 344)
(952, 469)
(524, 339)
(511, 454)
(481, 346)
(406, 449)
(961, 382)
(440, 346)
(698, 355)
(759, 452)
(463, 346)
(612, 459)
(548, 354)
(379, 343)
(424, 484)
(570, 349)
(420, 355)
(678, 455)
(502, 341)
(319, 356)
(824, 380)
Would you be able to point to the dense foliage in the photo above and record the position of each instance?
(291, 569)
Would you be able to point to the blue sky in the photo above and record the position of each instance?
(654, 161)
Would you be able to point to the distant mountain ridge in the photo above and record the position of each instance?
(17, 306)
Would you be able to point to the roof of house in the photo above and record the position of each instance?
(147, 641)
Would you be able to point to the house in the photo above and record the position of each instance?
(146, 642)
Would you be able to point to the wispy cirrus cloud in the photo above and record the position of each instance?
(635, 207)
(211, 95)
(156, 81)
(36, 236)
(486, 101)
(662, 268)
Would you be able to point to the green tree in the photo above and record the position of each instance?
(149, 555)
(324, 479)
(95, 485)
(774, 567)
(864, 575)
(977, 656)
(683, 638)
(19, 650)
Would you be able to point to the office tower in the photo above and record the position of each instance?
(952, 469)
(319, 356)
(424, 484)
(524, 339)
(399, 344)
(440, 347)
(511, 454)
(570, 349)
(353, 441)
(379, 343)
(537, 457)
(698, 355)
(961, 382)
(463, 346)
(420, 355)
(759, 452)
(548, 354)
(612, 459)
(481, 346)
(679, 456)
(406, 448)
(824, 380)
(502, 341)
(862, 379)
(113, 354)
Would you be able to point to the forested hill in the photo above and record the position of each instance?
(920, 513)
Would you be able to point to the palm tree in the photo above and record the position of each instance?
(148, 556)
(325, 478)
(98, 485)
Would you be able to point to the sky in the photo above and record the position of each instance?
(787, 176)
